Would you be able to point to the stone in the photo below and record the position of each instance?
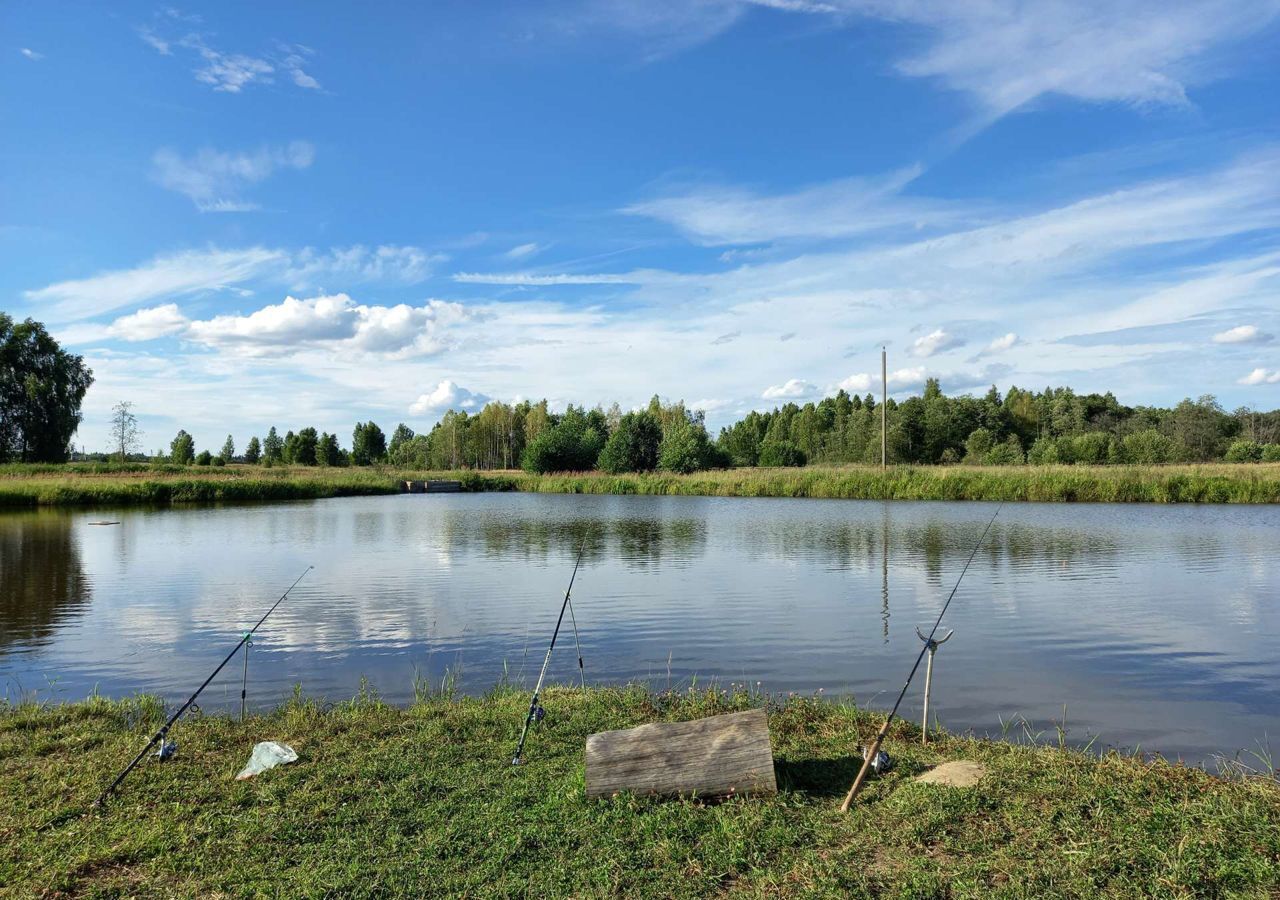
(961, 773)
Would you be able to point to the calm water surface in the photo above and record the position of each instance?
(1154, 626)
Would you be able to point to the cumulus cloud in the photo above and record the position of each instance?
(214, 179)
(1001, 344)
(1241, 334)
(792, 389)
(898, 379)
(149, 324)
(936, 341)
(31, 54)
(1261, 376)
(445, 396)
(335, 322)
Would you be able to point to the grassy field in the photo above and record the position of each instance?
(423, 802)
(102, 485)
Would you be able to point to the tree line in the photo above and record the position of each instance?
(1018, 427)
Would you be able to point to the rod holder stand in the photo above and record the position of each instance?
(932, 644)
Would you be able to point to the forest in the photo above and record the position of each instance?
(1054, 426)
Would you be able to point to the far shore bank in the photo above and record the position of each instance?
(160, 484)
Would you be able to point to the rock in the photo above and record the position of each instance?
(961, 773)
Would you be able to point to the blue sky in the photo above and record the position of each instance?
(249, 214)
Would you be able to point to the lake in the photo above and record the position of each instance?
(1154, 627)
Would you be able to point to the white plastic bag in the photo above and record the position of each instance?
(267, 755)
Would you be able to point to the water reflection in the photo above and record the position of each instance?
(42, 581)
(1146, 621)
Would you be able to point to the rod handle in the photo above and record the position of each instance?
(866, 767)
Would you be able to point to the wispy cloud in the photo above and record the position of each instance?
(842, 208)
(523, 251)
(214, 179)
(201, 271)
(1006, 54)
(31, 54)
(531, 279)
(727, 338)
(225, 71)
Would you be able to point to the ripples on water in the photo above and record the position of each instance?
(1154, 626)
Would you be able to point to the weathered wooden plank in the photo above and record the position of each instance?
(719, 756)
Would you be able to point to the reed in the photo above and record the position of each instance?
(138, 484)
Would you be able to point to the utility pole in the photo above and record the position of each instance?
(884, 408)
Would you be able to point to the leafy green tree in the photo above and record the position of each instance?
(1244, 452)
(978, 445)
(228, 450)
(633, 445)
(781, 453)
(687, 448)
(253, 451)
(1006, 453)
(182, 449)
(272, 447)
(1271, 452)
(368, 444)
(304, 447)
(569, 445)
(327, 451)
(205, 458)
(289, 448)
(41, 389)
(399, 438)
(1146, 447)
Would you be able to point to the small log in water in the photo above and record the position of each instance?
(715, 757)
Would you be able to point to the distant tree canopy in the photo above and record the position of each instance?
(182, 449)
(41, 389)
(1018, 427)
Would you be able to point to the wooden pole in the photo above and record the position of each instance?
(932, 647)
(884, 408)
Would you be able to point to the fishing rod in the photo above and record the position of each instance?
(162, 735)
(535, 711)
(874, 750)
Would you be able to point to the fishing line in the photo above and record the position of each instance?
(536, 711)
(874, 749)
(161, 736)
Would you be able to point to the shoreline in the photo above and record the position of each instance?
(423, 800)
(162, 485)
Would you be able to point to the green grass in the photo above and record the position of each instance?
(134, 484)
(423, 802)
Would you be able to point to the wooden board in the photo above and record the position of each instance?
(718, 756)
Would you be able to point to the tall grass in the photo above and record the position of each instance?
(106, 485)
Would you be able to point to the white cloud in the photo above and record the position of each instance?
(361, 264)
(529, 279)
(1001, 344)
(1261, 376)
(445, 396)
(1241, 334)
(31, 54)
(213, 179)
(197, 271)
(229, 72)
(295, 59)
(793, 388)
(842, 208)
(522, 251)
(936, 341)
(154, 41)
(1004, 53)
(149, 324)
(898, 379)
(165, 276)
(334, 322)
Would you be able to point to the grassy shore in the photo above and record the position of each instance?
(423, 802)
(103, 485)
